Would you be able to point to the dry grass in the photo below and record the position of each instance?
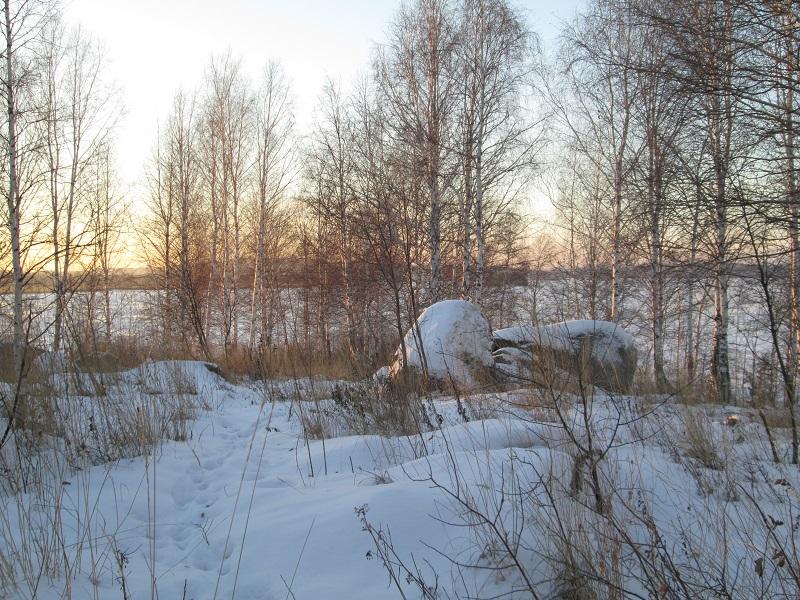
(7, 372)
(121, 353)
(699, 441)
(763, 383)
(360, 409)
(778, 417)
(60, 432)
(556, 372)
(98, 423)
(90, 355)
(234, 362)
(695, 392)
(296, 361)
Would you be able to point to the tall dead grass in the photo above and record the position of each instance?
(68, 422)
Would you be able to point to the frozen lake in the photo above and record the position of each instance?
(134, 314)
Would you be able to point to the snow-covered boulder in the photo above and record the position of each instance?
(600, 352)
(453, 339)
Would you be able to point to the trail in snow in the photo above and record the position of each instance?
(216, 512)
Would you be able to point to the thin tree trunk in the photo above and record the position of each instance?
(480, 238)
(12, 197)
(215, 227)
(690, 292)
(720, 362)
(434, 232)
(105, 253)
(619, 180)
(466, 212)
(259, 269)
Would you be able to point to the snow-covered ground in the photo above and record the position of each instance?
(248, 507)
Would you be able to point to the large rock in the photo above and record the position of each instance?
(599, 352)
(514, 364)
(453, 339)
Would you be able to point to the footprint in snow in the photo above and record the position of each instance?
(181, 494)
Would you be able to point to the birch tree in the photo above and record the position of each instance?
(708, 55)
(600, 61)
(659, 119)
(109, 222)
(274, 171)
(227, 146)
(80, 110)
(22, 24)
(184, 168)
(416, 73)
(770, 35)
(498, 144)
(332, 175)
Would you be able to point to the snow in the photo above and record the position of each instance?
(238, 498)
(381, 375)
(453, 338)
(244, 508)
(561, 336)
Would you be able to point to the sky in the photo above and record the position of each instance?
(156, 47)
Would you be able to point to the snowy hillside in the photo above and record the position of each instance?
(248, 507)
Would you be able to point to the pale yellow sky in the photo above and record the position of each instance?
(157, 46)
